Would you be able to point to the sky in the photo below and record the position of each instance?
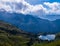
(34, 7)
(34, 2)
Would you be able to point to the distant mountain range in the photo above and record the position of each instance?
(51, 17)
(31, 23)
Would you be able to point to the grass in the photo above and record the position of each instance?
(12, 36)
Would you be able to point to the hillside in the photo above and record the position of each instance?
(12, 36)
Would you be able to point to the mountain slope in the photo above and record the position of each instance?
(29, 23)
(51, 17)
(12, 36)
(57, 23)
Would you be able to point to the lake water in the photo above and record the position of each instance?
(47, 37)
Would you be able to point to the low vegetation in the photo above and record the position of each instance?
(12, 36)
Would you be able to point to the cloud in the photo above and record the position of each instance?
(21, 6)
(14, 5)
(54, 8)
(47, 8)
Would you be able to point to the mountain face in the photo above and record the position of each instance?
(51, 17)
(57, 23)
(12, 36)
(30, 23)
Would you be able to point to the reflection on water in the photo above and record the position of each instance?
(47, 37)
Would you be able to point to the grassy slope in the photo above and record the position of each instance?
(53, 43)
(12, 36)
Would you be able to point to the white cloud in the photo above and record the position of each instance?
(21, 6)
(13, 5)
(54, 8)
